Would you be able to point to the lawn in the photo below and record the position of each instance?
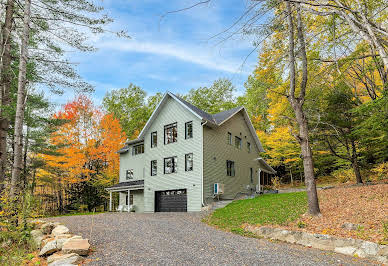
(275, 209)
(364, 206)
(73, 214)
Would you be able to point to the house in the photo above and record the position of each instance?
(182, 152)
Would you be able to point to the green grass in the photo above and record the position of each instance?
(74, 214)
(274, 209)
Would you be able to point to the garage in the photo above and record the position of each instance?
(171, 201)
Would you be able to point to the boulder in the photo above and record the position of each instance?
(383, 250)
(345, 250)
(49, 248)
(60, 230)
(350, 226)
(60, 242)
(370, 248)
(37, 237)
(63, 236)
(47, 228)
(78, 246)
(64, 259)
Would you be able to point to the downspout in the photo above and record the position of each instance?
(202, 124)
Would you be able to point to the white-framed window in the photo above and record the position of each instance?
(154, 167)
(237, 142)
(229, 138)
(129, 174)
(249, 147)
(189, 130)
(170, 133)
(154, 139)
(230, 171)
(189, 162)
(138, 149)
(170, 165)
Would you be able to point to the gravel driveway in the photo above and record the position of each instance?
(181, 238)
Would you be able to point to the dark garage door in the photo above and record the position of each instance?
(171, 201)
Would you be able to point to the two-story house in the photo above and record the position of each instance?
(182, 152)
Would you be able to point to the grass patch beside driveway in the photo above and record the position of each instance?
(274, 209)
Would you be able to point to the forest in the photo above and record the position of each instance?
(318, 99)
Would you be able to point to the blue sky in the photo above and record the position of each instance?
(174, 54)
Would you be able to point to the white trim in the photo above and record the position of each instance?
(231, 116)
(253, 131)
(272, 171)
(184, 105)
(124, 188)
(141, 135)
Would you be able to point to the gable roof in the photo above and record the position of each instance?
(214, 119)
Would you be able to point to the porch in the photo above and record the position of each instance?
(130, 195)
(264, 175)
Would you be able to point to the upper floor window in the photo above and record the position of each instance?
(129, 174)
(189, 130)
(229, 138)
(238, 142)
(251, 174)
(170, 133)
(154, 167)
(138, 149)
(230, 168)
(249, 147)
(154, 139)
(170, 165)
(189, 162)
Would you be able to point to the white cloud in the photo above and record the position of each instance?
(194, 55)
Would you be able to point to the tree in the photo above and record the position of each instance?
(5, 86)
(130, 107)
(20, 105)
(217, 98)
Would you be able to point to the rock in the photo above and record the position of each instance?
(60, 230)
(78, 246)
(64, 259)
(350, 226)
(383, 250)
(60, 242)
(47, 228)
(345, 250)
(49, 248)
(63, 236)
(370, 248)
(37, 237)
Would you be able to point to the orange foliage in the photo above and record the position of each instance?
(86, 144)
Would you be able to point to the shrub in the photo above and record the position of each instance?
(380, 171)
(344, 175)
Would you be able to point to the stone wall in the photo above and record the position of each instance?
(347, 246)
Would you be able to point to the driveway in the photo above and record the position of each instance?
(181, 238)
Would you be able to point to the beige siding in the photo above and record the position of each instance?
(217, 151)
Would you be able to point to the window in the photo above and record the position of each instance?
(237, 142)
(138, 149)
(230, 168)
(170, 165)
(251, 174)
(130, 199)
(229, 138)
(170, 133)
(249, 147)
(189, 130)
(129, 174)
(154, 167)
(189, 162)
(154, 139)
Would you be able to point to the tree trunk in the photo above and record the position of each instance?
(355, 165)
(5, 69)
(60, 196)
(20, 104)
(297, 105)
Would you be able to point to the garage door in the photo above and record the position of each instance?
(171, 201)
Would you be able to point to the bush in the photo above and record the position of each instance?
(345, 175)
(380, 172)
